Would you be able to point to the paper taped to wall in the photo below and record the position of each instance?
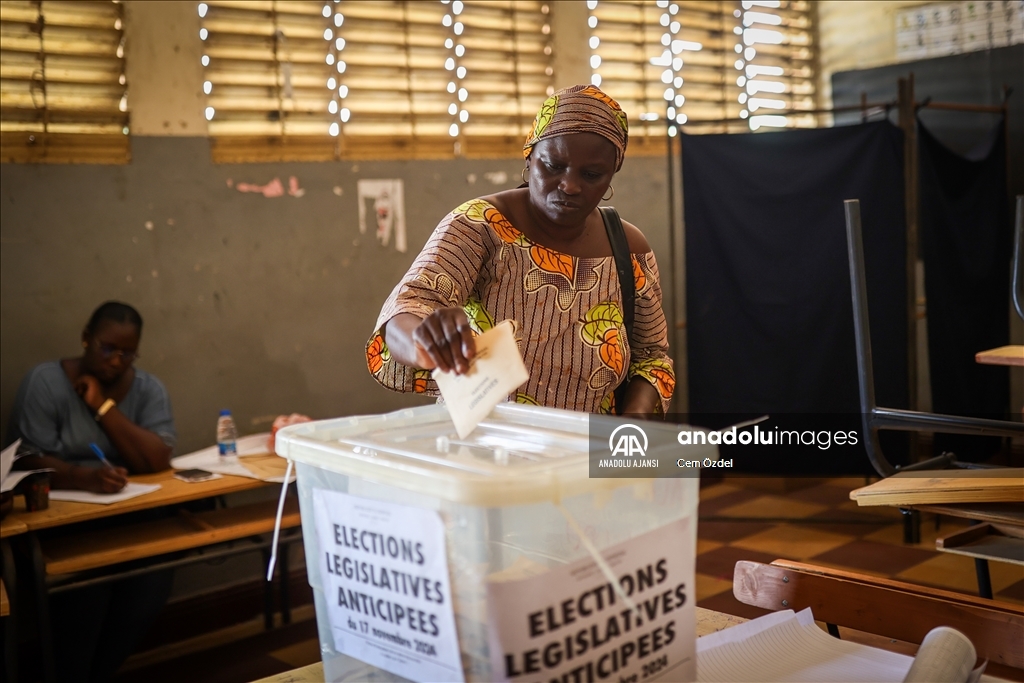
(388, 200)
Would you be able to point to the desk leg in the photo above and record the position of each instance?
(911, 526)
(11, 627)
(286, 609)
(984, 580)
(42, 609)
(268, 593)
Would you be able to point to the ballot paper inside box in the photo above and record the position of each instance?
(494, 557)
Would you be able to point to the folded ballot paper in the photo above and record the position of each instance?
(496, 371)
(9, 479)
(783, 646)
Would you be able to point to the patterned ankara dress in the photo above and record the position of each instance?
(565, 310)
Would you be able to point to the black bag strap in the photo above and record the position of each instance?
(623, 265)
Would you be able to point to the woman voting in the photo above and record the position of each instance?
(541, 256)
(96, 418)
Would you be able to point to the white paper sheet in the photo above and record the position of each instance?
(387, 197)
(209, 459)
(783, 646)
(740, 632)
(7, 460)
(792, 651)
(254, 444)
(9, 479)
(393, 557)
(495, 372)
(131, 490)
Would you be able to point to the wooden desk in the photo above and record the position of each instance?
(708, 621)
(171, 492)
(56, 556)
(885, 607)
(940, 487)
(999, 537)
(8, 529)
(1004, 355)
(12, 527)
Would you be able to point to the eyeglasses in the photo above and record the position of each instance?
(108, 352)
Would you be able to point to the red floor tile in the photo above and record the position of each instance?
(875, 557)
(721, 562)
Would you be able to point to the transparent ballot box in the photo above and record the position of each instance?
(497, 557)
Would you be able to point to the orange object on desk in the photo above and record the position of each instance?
(1004, 355)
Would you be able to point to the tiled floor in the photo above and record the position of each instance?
(761, 520)
(816, 522)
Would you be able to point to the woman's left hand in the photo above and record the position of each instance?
(91, 391)
(641, 401)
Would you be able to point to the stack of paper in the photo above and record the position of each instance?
(253, 461)
(784, 646)
(9, 479)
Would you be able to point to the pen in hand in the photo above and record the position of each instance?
(99, 454)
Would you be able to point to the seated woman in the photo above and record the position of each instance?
(62, 407)
(540, 256)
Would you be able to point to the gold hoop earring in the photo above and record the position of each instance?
(611, 195)
(523, 174)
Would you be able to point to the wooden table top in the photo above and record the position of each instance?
(1011, 514)
(944, 487)
(171, 491)
(12, 527)
(708, 621)
(1004, 355)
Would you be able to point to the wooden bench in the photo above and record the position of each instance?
(66, 554)
(884, 607)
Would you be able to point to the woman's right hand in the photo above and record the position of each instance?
(444, 340)
(103, 479)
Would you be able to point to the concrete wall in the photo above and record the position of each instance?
(163, 68)
(254, 304)
(856, 34)
(261, 305)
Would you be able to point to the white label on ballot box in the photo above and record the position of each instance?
(385, 576)
(570, 625)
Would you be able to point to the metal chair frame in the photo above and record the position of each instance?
(875, 418)
(1017, 291)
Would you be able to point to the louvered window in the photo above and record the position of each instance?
(373, 78)
(63, 94)
(711, 66)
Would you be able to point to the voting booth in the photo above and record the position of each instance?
(496, 557)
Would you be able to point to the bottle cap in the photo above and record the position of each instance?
(225, 412)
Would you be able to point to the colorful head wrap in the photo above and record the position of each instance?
(581, 109)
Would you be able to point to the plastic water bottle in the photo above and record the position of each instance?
(227, 435)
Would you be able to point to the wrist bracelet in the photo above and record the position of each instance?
(105, 408)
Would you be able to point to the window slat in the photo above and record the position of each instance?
(697, 74)
(62, 82)
(269, 65)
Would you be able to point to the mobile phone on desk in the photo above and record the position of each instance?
(195, 475)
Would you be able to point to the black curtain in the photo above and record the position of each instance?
(966, 244)
(769, 311)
